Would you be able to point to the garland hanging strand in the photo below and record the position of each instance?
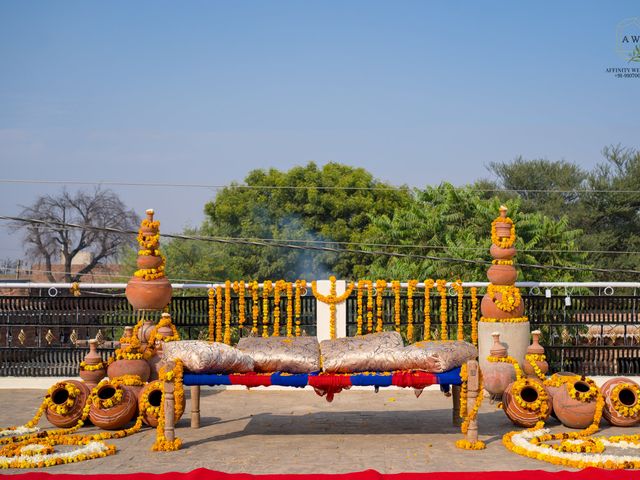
(289, 289)
(428, 285)
(255, 307)
(369, 285)
(359, 302)
(239, 288)
(457, 285)
(227, 312)
(212, 314)
(219, 332)
(411, 287)
(474, 315)
(380, 286)
(266, 289)
(300, 284)
(395, 285)
(442, 290)
(279, 287)
(332, 300)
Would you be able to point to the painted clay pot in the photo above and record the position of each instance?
(490, 309)
(535, 349)
(92, 377)
(497, 376)
(627, 396)
(129, 367)
(59, 396)
(148, 294)
(502, 253)
(571, 412)
(119, 415)
(519, 415)
(148, 261)
(502, 274)
(153, 393)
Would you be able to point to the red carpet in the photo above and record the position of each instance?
(204, 474)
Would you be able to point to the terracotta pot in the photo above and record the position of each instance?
(148, 294)
(155, 362)
(626, 396)
(117, 416)
(518, 415)
(60, 396)
(573, 413)
(502, 274)
(147, 231)
(92, 377)
(148, 261)
(129, 367)
(514, 336)
(535, 349)
(154, 392)
(503, 229)
(490, 310)
(144, 332)
(497, 376)
(502, 253)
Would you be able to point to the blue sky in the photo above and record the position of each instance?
(204, 91)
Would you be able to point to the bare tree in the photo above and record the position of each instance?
(55, 241)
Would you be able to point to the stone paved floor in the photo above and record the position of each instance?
(263, 431)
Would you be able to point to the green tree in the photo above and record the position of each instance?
(334, 203)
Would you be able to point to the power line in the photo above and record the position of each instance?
(318, 248)
(387, 245)
(296, 187)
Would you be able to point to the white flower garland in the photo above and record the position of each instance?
(22, 430)
(90, 448)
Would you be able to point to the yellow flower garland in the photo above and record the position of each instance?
(504, 320)
(212, 314)
(583, 396)
(531, 359)
(473, 414)
(63, 408)
(300, 284)
(395, 286)
(227, 313)
(239, 287)
(255, 308)
(219, 332)
(359, 307)
(369, 285)
(503, 242)
(332, 300)
(474, 315)
(91, 368)
(380, 286)
(289, 291)
(510, 296)
(279, 287)
(620, 407)
(457, 286)
(428, 285)
(411, 288)
(502, 262)
(162, 443)
(442, 290)
(266, 290)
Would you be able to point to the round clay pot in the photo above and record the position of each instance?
(92, 377)
(154, 392)
(502, 274)
(626, 396)
(503, 229)
(59, 396)
(497, 376)
(148, 261)
(129, 367)
(502, 253)
(148, 294)
(155, 362)
(535, 349)
(573, 413)
(515, 336)
(117, 416)
(518, 415)
(490, 310)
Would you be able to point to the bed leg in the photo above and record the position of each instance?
(455, 390)
(195, 406)
(169, 410)
(472, 393)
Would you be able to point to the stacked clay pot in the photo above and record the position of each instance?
(149, 293)
(626, 393)
(497, 378)
(513, 335)
(516, 413)
(59, 396)
(535, 349)
(118, 415)
(574, 413)
(152, 393)
(91, 377)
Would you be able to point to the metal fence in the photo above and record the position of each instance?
(590, 334)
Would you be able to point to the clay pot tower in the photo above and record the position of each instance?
(149, 289)
(502, 307)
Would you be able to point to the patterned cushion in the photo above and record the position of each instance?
(282, 354)
(375, 352)
(436, 356)
(199, 356)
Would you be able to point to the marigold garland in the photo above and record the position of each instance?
(91, 368)
(332, 300)
(576, 394)
(501, 262)
(212, 314)
(504, 320)
(255, 308)
(266, 290)
(175, 375)
(428, 285)
(621, 408)
(227, 313)
(473, 414)
(411, 288)
(150, 247)
(442, 290)
(395, 286)
(219, 304)
(532, 359)
(457, 286)
(279, 287)
(474, 315)
(289, 291)
(239, 287)
(380, 286)
(300, 284)
(369, 285)
(510, 297)
(503, 242)
(359, 296)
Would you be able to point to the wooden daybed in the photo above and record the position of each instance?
(328, 384)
